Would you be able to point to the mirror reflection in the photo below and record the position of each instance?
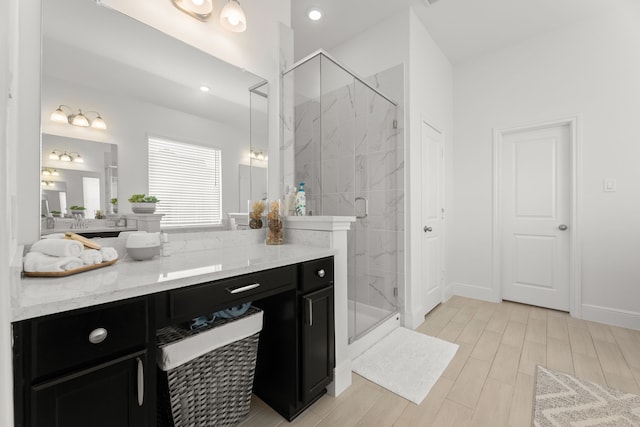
(134, 85)
(91, 183)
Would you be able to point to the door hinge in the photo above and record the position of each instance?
(395, 292)
(395, 124)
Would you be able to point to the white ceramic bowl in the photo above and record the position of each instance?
(143, 246)
(143, 254)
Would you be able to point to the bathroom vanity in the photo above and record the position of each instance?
(84, 345)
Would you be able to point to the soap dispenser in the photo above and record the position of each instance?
(301, 201)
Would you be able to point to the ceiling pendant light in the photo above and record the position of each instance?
(232, 17)
(199, 9)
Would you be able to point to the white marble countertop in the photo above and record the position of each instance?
(34, 297)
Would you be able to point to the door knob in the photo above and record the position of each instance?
(427, 229)
(562, 227)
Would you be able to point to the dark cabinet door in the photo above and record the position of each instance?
(317, 349)
(107, 395)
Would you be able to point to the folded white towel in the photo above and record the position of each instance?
(41, 263)
(58, 247)
(109, 254)
(91, 256)
(54, 236)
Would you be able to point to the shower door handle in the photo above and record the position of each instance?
(366, 207)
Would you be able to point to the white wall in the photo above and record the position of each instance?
(7, 192)
(402, 39)
(431, 99)
(590, 69)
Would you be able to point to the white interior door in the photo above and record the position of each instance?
(432, 216)
(535, 196)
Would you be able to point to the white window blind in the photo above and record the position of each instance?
(186, 178)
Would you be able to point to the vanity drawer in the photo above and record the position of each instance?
(206, 298)
(75, 339)
(316, 274)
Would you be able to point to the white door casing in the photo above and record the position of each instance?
(535, 183)
(432, 213)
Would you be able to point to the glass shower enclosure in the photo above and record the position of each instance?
(344, 144)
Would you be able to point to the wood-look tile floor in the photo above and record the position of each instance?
(490, 381)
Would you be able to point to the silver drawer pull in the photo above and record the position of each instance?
(321, 273)
(310, 306)
(244, 288)
(140, 382)
(98, 335)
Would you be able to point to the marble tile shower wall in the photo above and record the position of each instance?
(347, 147)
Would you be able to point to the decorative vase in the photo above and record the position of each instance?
(275, 223)
(143, 208)
(256, 209)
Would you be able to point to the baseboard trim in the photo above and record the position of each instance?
(413, 319)
(341, 379)
(611, 316)
(449, 291)
(473, 291)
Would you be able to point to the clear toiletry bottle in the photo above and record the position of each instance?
(301, 201)
(290, 204)
(165, 246)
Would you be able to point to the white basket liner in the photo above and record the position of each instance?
(185, 350)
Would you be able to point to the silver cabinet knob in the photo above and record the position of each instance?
(98, 335)
(321, 273)
(427, 229)
(562, 227)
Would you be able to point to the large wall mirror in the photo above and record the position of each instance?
(143, 84)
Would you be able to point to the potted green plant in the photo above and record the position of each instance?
(143, 204)
(56, 214)
(77, 210)
(114, 205)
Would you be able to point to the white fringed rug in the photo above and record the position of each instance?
(406, 362)
(562, 400)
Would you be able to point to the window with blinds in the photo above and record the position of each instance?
(186, 178)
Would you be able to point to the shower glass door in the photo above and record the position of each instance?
(343, 143)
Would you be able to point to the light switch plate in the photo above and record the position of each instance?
(609, 185)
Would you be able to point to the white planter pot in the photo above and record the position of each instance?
(143, 208)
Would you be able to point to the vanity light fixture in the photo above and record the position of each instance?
(315, 14)
(199, 9)
(73, 156)
(50, 172)
(78, 119)
(48, 183)
(258, 155)
(232, 17)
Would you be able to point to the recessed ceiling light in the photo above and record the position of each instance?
(315, 14)
(204, 88)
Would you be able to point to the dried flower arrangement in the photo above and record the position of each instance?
(255, 215)
(275, 233)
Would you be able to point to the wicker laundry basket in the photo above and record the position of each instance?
(214, 388)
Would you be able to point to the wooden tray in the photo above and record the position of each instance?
(69, 272)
